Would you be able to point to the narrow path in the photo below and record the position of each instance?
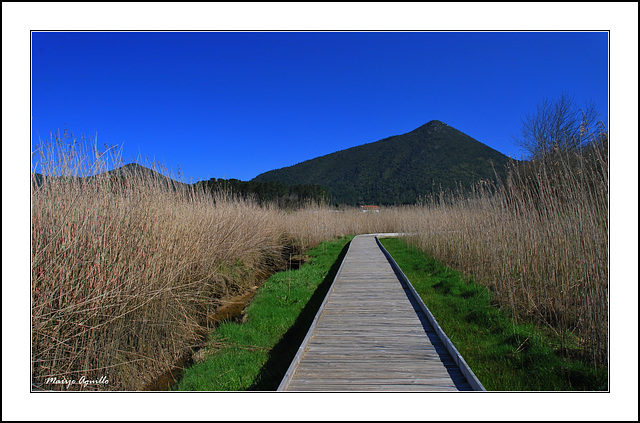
(371, 334)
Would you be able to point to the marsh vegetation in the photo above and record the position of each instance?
(126, 270)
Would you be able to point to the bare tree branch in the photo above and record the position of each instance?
(557, 126)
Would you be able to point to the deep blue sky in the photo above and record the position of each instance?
(236, 104)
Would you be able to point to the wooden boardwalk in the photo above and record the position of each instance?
(372, 334)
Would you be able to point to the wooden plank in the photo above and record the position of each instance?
(371, 335)
(373, 388)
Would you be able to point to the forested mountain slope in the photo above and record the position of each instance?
(397, 169)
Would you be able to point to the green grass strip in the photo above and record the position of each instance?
(256, 354)
(503, 354)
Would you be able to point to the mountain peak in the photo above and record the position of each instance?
(398, 169)
(434, 125)
(132, 166)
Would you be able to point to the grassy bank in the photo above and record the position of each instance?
(505, 354)
(255, 354)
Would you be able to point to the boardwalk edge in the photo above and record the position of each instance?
(284, 384)
(464, 367)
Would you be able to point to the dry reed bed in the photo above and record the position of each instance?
(319, 223)
(540, 240)
(126, 269)
(122, 276)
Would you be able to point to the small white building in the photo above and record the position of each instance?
(365, 209)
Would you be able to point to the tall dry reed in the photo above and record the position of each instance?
(539, 239)
(126, 267)
(317, 223)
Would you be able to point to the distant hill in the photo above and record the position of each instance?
(397, 169)
(136, 170)
(284, 196)
(131, 170)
